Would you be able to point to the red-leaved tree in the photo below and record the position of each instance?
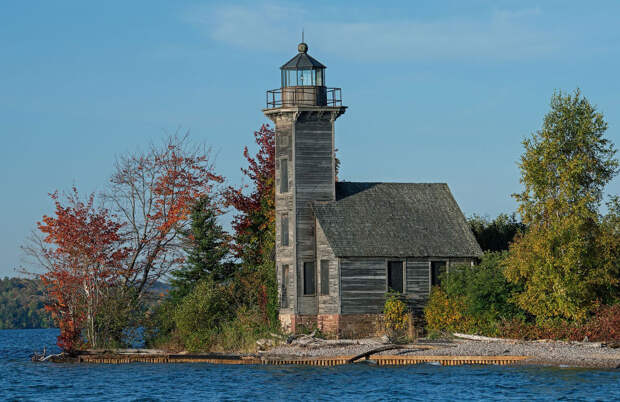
(80, 249)
(153, 192)
(254, 224)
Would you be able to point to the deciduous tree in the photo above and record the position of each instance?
(153, 192)
(82, 254)
(564, 170)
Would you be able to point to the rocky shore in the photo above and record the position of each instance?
(546, 352)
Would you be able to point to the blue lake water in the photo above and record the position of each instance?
(21, 379)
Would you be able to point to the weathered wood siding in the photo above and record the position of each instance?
(363, 284)
(328, 304)
(417, 282)
(285, 206)
(313, 181)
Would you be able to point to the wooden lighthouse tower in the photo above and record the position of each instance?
(304, 111)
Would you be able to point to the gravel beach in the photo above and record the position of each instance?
(555, 353)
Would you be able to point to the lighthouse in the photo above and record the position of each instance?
(304, 111)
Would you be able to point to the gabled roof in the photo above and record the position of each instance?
(302, 61)
(395, 220)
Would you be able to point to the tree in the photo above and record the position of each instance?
(81, 250)
(495, 235)
(206, 250)
(153, 192)
(564, 170)
(254, 225)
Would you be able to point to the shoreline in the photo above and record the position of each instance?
(546, 353)
(320, 352)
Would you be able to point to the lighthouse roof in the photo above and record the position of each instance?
(302, 60)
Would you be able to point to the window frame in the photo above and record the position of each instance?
(284, 288)
(324, 267)
(305, 276)
(284, 229)
(284, 188)
(403, 274)
(430, 271)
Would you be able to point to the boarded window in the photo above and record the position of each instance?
(309, 279)
(284, 293)
(395, 276)
(324, 277)
(284, 230)
(284, 176)
(437, 269)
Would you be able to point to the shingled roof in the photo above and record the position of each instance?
(395, 220)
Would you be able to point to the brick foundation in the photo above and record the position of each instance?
(337, 325)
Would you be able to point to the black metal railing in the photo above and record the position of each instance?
(304, 96)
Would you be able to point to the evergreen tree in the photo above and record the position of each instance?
(206, 251)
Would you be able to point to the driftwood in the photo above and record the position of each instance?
(482, 338)
(373, 351)
(121, 351)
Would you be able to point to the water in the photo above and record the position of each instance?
(21, 379)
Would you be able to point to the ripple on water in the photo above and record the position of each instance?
(21, 379)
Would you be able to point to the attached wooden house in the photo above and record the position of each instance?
(341, 245)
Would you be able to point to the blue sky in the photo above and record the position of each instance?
(438, 91)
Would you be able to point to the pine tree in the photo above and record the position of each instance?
(206, 251)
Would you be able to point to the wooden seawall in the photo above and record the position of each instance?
(381, 360)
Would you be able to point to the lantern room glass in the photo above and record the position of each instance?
(303, 78)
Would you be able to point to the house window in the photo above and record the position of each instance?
(395, 276)
(324, 277)
(437, 269)
(284, 230)
(284, 293)
(309, 279)
(284, 176)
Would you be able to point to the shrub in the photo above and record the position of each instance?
(444, 313)
(200, 315)
(473, 299)
(602, 326)
(396, 318)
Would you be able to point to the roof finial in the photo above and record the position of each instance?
(302, 47)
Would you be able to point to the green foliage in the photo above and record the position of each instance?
(486, 289)
(473, 299)
(207, 248)
(22, 304)
(496, 234)
(447, 314)
(201, 315)
(119, 318)
(396, 317)
(566, 261)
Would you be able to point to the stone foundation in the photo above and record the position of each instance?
(337, 325)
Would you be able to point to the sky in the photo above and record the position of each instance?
(438, 91)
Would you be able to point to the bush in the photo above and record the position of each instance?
(201, 314)
(473, 299)
(447, 314)
(602, 326)
(396, 318)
